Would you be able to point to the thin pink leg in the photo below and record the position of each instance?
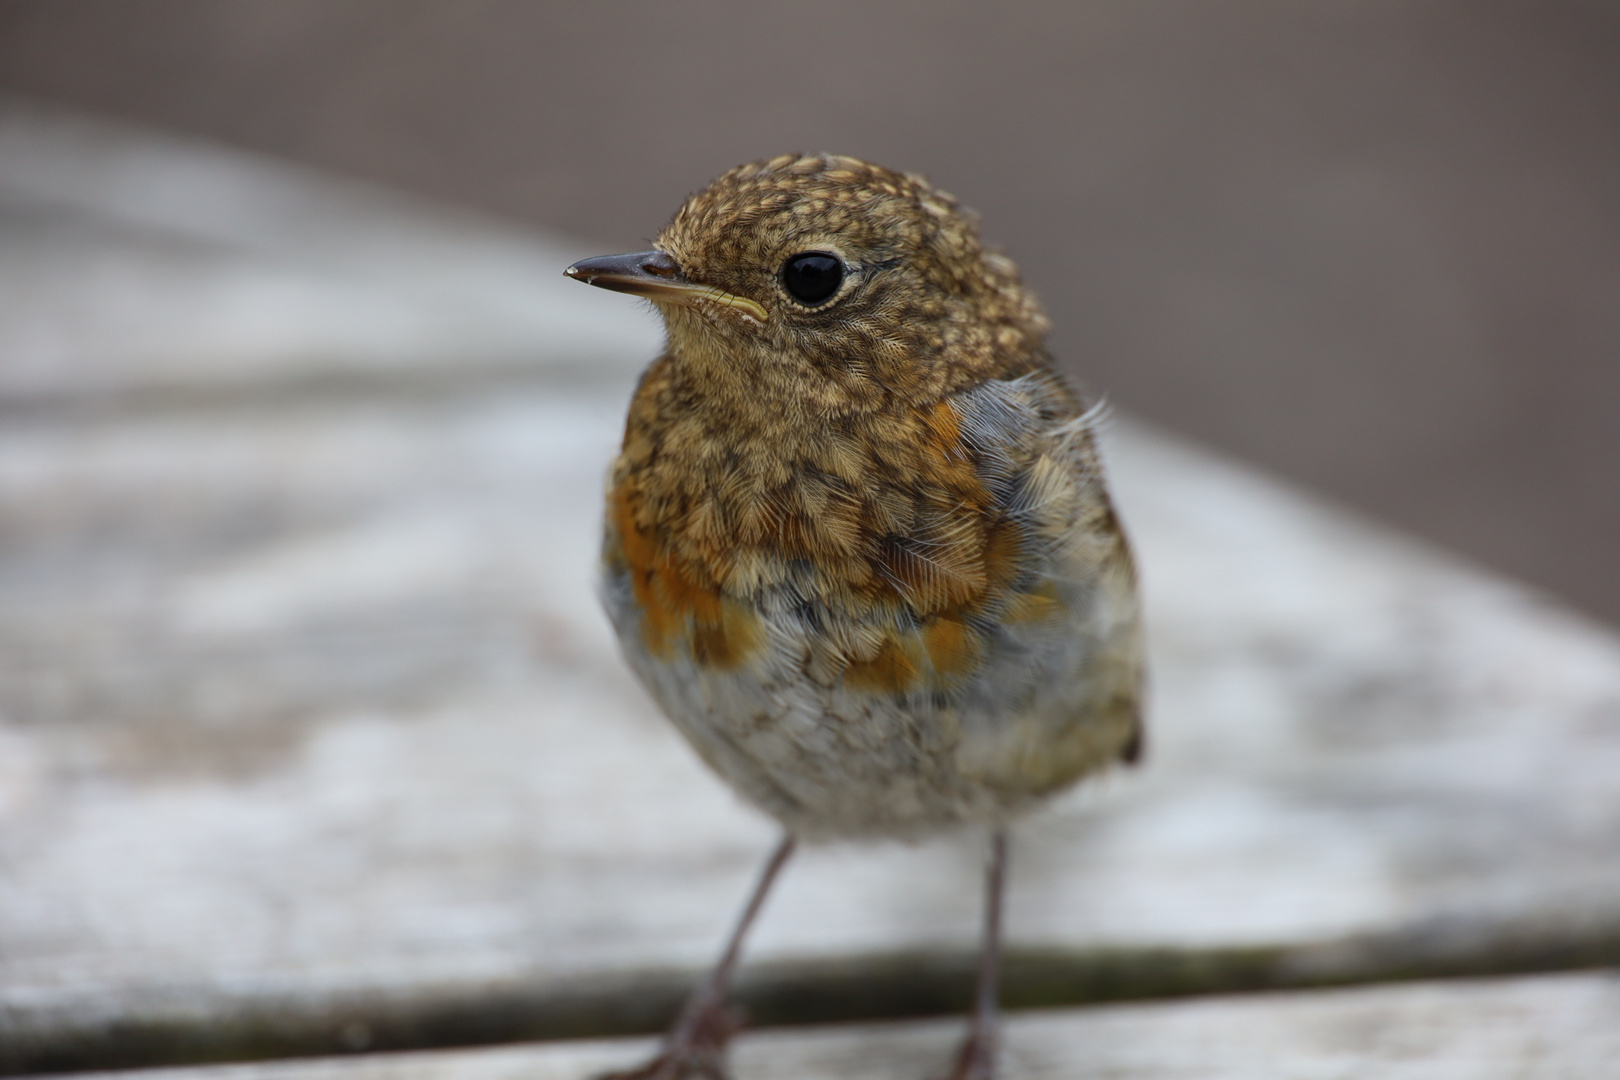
(696, 1045)
(977, 1058)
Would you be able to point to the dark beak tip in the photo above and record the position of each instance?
(641, 265)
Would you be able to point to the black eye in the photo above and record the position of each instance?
(813, 276)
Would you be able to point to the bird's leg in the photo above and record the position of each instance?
(977, 1058)
(696, 1045)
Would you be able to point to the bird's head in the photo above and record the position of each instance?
(841, 281)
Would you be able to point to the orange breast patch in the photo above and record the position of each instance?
(674, 604)
(892, 526)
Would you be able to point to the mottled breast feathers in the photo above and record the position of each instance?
(907, 538)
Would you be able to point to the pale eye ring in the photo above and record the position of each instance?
(812, 277)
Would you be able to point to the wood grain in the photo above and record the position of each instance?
(1550, 1028)
(308, 719)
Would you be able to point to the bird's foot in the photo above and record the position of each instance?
(976, 1060)
(696, 1050)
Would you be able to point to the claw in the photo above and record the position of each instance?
(976, 1060)
(698, 1053)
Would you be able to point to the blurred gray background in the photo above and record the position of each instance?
(1372, 246)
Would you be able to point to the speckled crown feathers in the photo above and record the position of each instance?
(734, 233)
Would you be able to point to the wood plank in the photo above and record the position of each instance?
(308, 717)
(1547, 1028)
(151, 269)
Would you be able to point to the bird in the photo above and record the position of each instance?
(858, 542)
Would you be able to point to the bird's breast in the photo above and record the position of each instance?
(885, 545)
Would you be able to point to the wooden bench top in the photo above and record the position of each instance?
(1558, 1027)
(308, 718)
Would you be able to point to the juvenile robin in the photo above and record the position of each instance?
(858, 542)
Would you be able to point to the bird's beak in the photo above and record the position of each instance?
(658, 277)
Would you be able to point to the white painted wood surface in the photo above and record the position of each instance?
(305, 703)
(1548, 1028)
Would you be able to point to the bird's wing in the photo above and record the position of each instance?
(1018, 597)
(1035, 450)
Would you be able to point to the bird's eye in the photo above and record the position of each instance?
(812, 277)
